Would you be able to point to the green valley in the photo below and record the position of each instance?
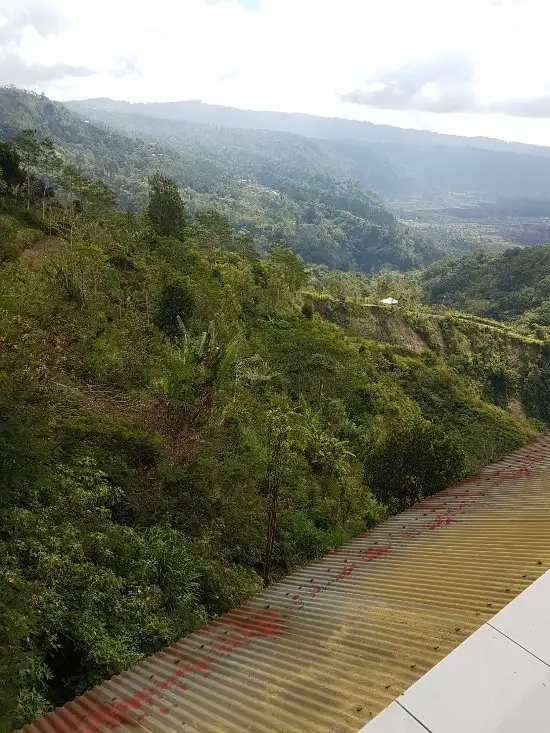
(457, 192)
(199, 391)
(270, 187)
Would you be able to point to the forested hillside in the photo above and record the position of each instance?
(512, 286)
(179, 423)
(457, 194)
(363, 162)
(270, 186)
(392, 161)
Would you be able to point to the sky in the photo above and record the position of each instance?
(465, 67)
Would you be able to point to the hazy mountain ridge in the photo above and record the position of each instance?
(390, 160)
(304, 124)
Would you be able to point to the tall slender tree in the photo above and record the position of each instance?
(166, 209)
(34, 152)
(10, 170)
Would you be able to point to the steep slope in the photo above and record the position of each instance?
(140, 467)
(122, 161)
(178, 427)
(508, 368)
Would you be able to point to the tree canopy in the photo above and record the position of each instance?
(513, 286)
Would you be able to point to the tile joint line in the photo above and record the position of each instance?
(413, 716)
(517, 643)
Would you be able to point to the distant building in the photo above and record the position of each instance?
(389, 301)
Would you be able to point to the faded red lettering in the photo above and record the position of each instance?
(374, 553)
(113, 714)
(346, 572)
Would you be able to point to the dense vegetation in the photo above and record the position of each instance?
(514, 285)
(178, 425)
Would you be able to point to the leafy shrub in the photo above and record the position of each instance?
(176, 303)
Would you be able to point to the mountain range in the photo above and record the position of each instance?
(318, 184)
(391, 160)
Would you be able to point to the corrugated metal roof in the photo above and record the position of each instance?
(334, 644)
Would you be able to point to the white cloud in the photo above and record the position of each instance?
(294, 55)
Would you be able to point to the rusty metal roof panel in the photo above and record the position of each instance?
(332, 645)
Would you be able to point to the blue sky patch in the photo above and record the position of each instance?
(250, 4)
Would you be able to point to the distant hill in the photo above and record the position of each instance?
(277, 187)
(391, 160)
(328, 128)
